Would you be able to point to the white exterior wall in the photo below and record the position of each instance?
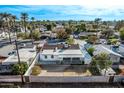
(55, 58)
(114, 59)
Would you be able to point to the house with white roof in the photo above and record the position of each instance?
(62, 54)
(114, 56)
(26, 55)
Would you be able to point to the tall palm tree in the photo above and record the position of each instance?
(24, 18)
(1, 20)
(32, 22)
(13, 23)
(6, 18)
(33, 27)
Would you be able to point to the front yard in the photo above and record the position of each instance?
(64, 70)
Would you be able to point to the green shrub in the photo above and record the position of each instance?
(90, 50)
(70, 41)
(36, 35)
(36, 70)
(19, 69)
(23, 35)
(113, 41)
(122, 33)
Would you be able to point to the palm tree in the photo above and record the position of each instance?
(24, 18)
(1, 20)
(103, 61)
(97, 21)
(6, 18)
(31, 27)
(13, 23)
(32, 22)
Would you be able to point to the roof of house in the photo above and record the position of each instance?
(105, 49)
(5, 50)
(87, 33)
(60, 46)
(25, 55)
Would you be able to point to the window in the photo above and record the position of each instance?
(45, 57)
(52, 56)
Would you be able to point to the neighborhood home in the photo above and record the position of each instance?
(5, 52)
(55, 41)
(48, 34)
(61, 54)
(114, 56)
(86, 34)
(26, 55)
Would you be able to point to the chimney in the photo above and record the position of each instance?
(55, 49)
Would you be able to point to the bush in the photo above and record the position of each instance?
(90, 51)
(19, 69)
(122, 33)
(23, 35)
(112, 37)
(36, 35)
(113, 41)
(36, 70)
(70, 41)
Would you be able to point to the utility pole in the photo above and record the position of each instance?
(22, 79)
(17, 51)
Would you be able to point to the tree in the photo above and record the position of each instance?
(92, 39)
(102, 61)
(31, 28)
(70, 41)
(49, 27)
(36, 35)
(24, 18)
(68, 30)
(19, 68)
(97, 21)
(122, 33)
(81, 27)
(95, 26)
(119, 25)
(113, 41)
(13, 23)
(90, 50)
(107, 33)
(61, 34)
(7, 17)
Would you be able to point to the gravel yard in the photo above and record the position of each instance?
(64, 70)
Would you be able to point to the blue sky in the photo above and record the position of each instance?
(65, 12)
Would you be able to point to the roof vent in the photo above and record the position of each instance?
(66, 45)
(55, 49)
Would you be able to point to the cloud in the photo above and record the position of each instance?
(89, 9)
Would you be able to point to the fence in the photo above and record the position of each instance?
(10, 78)
(72, 79)
(60, 79)
(28, 72)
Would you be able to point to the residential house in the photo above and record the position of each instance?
(61, 54)
(26, 55)
(114, 56)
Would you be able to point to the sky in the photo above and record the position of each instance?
(86, 11)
